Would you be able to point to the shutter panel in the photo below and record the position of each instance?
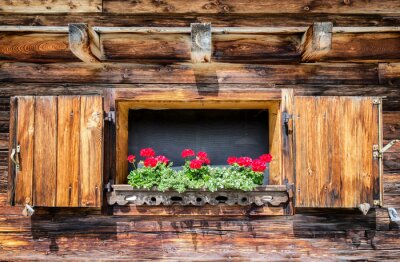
(334, 163)
(61, 151)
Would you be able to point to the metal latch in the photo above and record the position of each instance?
(110, 116)
(394, 217)
(108, 186)
(15, 156)
(376, 153)
(286, 117)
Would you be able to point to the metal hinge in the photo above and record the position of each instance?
(110, 116)
(376, 153)
(108, 185)
(376, 101)
(286, 117)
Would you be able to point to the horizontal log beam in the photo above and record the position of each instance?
(251, 7)
(50, 6)
(187, 30)
(391, 101)
(232, 47)
(35, 47)
(183, 20)
(213, 73)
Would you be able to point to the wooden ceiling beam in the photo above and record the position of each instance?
(84, 43)
(316, 42)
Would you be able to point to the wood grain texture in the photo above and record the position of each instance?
(51, 6)
(139, 47)
(25, 131)
(68, 144)
(91, 151)
(334, 138)
(35, 48)
(80, 42)
(256, 48)
(214, 73)
(316, 42)
(45, 151)
(251, 6)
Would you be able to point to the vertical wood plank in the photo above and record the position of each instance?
(287, 168)
(122, 145)
(45, 151)
(68, 150)
(25, 130)
(334, 139)
(275, 145)
(91, 151)
(12, 143)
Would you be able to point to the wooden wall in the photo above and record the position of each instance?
(310, 234)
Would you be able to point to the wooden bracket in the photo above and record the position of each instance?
(201, 42)
(316, 42)
(84, 43)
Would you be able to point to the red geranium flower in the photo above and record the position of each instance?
(131, 158)
(244, 161)
(202, 155)
(205, 160)
(147, 152)
(258, 165)
(231, 160)
(195, 164)
(266, 158)
(162, 159)
(150, 162)
(187, 153)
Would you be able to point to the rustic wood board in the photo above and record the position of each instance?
(334, 138)
(25, 130)
(91, 151)
(45, 151)
(68, 150)
(51, 6)
(250, 7)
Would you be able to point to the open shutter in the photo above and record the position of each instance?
(57, 151)
(334, 142)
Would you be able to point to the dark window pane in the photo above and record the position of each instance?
(220, 133)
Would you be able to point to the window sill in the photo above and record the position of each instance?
(269, 195)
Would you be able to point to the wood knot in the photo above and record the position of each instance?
(347, 2)
(306, 8)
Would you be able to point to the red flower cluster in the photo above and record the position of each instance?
(131, 158)
(201, 158)
(162, 159)
(195, 164)
(257, 165)
(187, 153)
(150, 162)
(147, 152)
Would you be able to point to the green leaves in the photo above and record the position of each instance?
(208, 178)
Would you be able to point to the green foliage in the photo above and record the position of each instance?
(164, 178)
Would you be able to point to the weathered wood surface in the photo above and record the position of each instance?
(61, 151)
(333, 151)
(35, 48)
(162, 19)
(44, 156)
(213, 73)
(51, 6)
(234, 48)
(251, 7)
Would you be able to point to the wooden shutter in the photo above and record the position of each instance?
(61, 150)
(334, 141)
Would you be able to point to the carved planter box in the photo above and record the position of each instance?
(273, 195)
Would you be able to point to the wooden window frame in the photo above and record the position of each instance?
(277, 101)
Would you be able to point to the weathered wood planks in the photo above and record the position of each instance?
(44, 154)
(250, 7)
(51, 6)
(61, 151)
(68, 145)
(333, 151)
(91, 151)
(35, 48)
(335, 73)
